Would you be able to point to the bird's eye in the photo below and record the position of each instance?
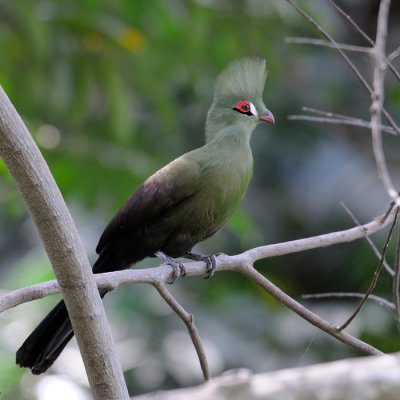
(245, 107)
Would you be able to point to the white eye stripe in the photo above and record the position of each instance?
(253, 109)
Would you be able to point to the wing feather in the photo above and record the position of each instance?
(163, 191)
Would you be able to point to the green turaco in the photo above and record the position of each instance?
(182, 204)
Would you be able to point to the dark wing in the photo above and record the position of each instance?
(162, 191)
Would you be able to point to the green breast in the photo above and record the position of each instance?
(223, 186)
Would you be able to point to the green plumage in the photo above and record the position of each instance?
(180, 205)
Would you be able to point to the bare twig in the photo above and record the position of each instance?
(377, 299)
(334, 43)
(375, 277)
(344, 121)
(282, 297)
(352, 23)
(378, 99)
(326, 113)
(356, 71)
(396, 283)
(394, 54)
(188, 320)
(388, 269)
(388, 59)
(326, 43)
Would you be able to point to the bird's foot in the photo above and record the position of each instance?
(178, 270)
(211, 262)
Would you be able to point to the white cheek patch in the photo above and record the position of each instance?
(253, 110)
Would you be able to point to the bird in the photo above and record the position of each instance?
(180, 205)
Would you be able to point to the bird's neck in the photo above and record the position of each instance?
(231, 146)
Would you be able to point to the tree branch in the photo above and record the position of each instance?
(389, 59)
(372, 245)
(112, 280)
(66, 252)
(341, 295)
(188, 320)
(241, 263)
(375, 277)
(278, 294)
(350, 63)
(367, 378)
(378, 96)
(326, 43)
(339, 119)
(396, 283)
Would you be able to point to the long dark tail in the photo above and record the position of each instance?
(47, 341)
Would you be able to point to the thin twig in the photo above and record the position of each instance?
(326, 113)
(305, 313)
(396, 283)
(345, 121)
(376, 251)
(334, 43)
(352, 23)
(356, 71)
(374, 278)
(344, 118)
(378, 99)
(190, 325)
(394, 54)
(377, 299)
(388, 59)
(326, 43)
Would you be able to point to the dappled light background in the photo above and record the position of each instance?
(113, 90)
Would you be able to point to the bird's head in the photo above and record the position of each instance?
(238, 98)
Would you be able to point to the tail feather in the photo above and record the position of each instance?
(46, 342)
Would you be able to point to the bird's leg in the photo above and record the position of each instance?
(178, 270)
(211, 261)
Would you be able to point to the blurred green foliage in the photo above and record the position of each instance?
(111, 91)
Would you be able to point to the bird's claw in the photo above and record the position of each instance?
(178, 270)
(211, 262)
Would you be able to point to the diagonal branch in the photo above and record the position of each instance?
(65, 250)
(375, 250)
(375, 276)
(188, 320)
(278, 294)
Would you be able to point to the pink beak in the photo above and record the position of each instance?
(267, 118)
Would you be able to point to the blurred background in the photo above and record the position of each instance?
(113, 90)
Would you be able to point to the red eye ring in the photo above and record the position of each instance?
(244, 107)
